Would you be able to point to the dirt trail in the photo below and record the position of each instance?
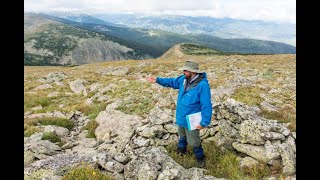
(173, 52)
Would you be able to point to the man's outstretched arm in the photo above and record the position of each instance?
(166, 82)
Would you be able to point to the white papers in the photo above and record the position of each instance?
(193, 120)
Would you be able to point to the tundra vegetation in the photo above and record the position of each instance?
(263, 81)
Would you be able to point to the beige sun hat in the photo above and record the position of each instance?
(192, 66)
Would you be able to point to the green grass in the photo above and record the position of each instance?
(53, 137)
(133, 87)
(31, 101)
(29, 130)
(85, 172)
(91, 127)
(283, 115)
(136, 106)
(194, 49)
(48, 104)
(93, 110)
(268, 74)
(66, 123)
(248, 95)
(222, 164)
(140, 103)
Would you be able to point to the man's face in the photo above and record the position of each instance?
(187, 73)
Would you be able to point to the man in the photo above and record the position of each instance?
(194, 96)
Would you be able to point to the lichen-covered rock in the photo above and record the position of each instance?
(154, 131)
(288, 158)
(115, 121)
(43, 147)
(141, 142)
(248, 162)
(60, 131)
(204, 133)
(95, 87)
(43, 86)
(171, 128)
(141, 169)
(47, 174)
(159, 116)
(272, 136)
(58, 161)
(271, 151)
(122, 158)
(257, 152)
(258, 130)
(221, 140)
(170, 174)
(77, 86)
(113, 166)
(28, 158)
(227, 130)
(55, 77)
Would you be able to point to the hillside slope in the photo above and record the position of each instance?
(48, 42)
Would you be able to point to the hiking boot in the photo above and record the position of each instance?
(201, 162)
(182, 151)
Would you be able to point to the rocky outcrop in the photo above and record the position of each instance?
(262, 139)
(132, 147)
(77, 86)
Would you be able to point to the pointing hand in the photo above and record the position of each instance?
(151, 79)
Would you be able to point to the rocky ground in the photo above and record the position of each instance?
(253, 100)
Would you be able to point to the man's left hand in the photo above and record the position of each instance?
(199, 126)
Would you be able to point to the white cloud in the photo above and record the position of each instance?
(269, 10)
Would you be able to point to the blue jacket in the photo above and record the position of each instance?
(196, 99)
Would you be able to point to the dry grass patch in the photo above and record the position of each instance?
(52, 137)
(32, 101)
(133, 87)
(29, 130)
(85, 172)
(222, 164)
(283, 115)
(137, 106)
(248, 94)
(66, 123)
(93, 110)
(91, 127)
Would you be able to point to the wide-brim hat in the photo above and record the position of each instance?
(191, 66)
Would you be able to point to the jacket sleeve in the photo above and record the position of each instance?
(170, 82)
(206, 105)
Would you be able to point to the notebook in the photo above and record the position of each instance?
(193, 120)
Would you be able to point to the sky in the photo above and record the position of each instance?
(266, 10)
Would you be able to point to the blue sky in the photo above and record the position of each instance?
(267, 10)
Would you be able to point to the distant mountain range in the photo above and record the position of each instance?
(220, 27)
(80, 39)
(166, 40)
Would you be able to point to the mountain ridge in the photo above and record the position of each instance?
(60, 41)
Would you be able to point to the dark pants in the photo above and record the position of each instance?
(192, 138)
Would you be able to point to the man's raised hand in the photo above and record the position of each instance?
(151, 79)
